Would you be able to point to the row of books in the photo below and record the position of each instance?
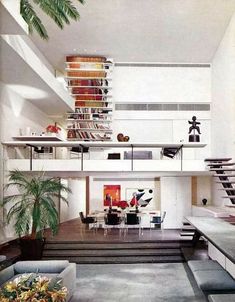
(88, 82)
(85, 135)
(87, 125)
(91, 104)
(101, 110)
(87, 116)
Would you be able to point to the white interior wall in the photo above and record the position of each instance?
(223, 95)
(16, 113)
(162, 85)
(204, 188)
(223, 104)
(76, 199)
(175, 200)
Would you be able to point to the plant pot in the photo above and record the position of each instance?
(31, 249)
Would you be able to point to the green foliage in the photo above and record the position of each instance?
(60, 11)
(34, 209)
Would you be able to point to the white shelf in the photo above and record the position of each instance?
(89, 139)
(89, 120)
(93, 101)
(88, 78)
(38, 138)
(103, 108)
(88, 69)
(100, 87)
(91, 63)
(92, 95)
(91, 130)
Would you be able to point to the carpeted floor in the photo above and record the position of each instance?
(136, 283)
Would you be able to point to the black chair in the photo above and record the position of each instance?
(87, 220)
(111, 220)
(157, 220)
(132, 219)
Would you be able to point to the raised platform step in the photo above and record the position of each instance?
(111, 246)
(117, 252)
(119, 260)
(112, 253)
(223, 159)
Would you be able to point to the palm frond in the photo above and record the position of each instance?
(34, 209)
(67, 7)
(23, 222)
(52, 11)
(31, 18)
(52, 214)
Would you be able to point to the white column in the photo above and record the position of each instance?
(76, 200)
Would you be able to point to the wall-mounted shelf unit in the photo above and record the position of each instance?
(88, 81)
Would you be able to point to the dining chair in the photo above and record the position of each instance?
(132, 219)
(88, 220)
(110, 221)
(157, 220)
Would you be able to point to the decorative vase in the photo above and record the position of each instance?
(204, 201)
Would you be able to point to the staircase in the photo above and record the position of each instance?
(223, 169)
(83, 252)
(187, 230)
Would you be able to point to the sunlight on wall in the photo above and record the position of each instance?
(28, 92)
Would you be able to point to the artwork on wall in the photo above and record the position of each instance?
(139, 196)
(112, 195)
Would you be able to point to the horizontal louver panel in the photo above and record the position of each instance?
(161, 107)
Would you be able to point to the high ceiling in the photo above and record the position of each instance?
(177, 31)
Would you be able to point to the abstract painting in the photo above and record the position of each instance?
(139, 196)
(112, 195)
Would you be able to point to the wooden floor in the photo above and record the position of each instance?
(73, 230)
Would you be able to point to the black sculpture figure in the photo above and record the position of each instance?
(194, 137)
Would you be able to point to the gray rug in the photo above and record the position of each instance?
(135, 283)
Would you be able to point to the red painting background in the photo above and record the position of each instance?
(115, 193)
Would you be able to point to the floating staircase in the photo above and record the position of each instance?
(84, 252)
(222, 167)
(187, 230)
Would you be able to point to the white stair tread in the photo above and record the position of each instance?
(221, 164)
(225, 182)
(224, 175)
(222, 169)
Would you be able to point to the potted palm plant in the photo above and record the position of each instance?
(33, 209)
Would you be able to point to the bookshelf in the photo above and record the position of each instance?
(89, 83)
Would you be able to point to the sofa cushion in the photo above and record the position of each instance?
(214, 280)
(222, 298)
(204, 265)
(42, 266)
